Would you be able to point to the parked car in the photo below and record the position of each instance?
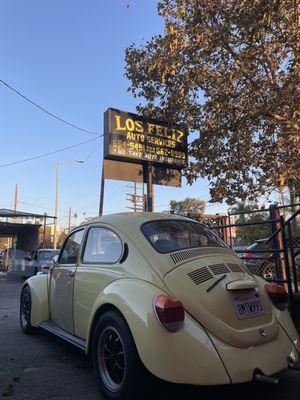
(263, 264)
(158, 293)
(251, 258)
(19, 264)
(43, 259)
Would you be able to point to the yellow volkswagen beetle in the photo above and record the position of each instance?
(146, 292)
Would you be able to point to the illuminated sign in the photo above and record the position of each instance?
(130, 137)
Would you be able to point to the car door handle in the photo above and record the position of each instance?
(71, 274)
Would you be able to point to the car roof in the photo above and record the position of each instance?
(133, 218)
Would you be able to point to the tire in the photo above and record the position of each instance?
(119, 371)
(25, 311)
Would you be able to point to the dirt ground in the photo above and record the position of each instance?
(41, 366)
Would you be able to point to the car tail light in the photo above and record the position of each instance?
(278, 295)
(169, 311)
(248, 255)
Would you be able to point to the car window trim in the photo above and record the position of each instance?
(64, 244)
(85, 241)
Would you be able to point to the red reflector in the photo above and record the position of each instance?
(277, 294)
(169, 312)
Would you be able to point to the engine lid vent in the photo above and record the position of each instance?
(235, 267)
(219, 269)
(185, 255)
(200, 275)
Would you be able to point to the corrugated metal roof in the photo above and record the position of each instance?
(6, 213)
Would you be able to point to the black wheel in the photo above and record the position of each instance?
(118, 368)
(25, 311)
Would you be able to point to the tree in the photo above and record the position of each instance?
(188, 206)
(62, 234)
(241, 208)
(248, 234)
(229, 70)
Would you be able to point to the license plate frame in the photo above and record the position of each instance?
(248, 305)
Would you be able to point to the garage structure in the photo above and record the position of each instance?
(23, 228)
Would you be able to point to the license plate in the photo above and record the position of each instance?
(248, 305)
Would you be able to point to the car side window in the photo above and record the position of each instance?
(102, 246)
(71, 248)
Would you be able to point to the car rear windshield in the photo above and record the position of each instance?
(172, 235)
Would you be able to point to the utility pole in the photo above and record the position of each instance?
(136, 200)
(16, 197)
(70, 217)
(58, 164)
(56, 206)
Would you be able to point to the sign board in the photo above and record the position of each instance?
(133, 138)
(124, 171)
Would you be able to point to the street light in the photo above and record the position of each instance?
(58, 165)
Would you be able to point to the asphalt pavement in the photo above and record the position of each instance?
(40, 366)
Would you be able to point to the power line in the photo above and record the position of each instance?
(61, 180)
(66, 175)
(46, 111)
(49, 153)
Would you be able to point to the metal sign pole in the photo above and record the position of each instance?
(102, 184)
(149, 182)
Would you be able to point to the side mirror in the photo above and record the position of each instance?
(28, 258)
(55, 259)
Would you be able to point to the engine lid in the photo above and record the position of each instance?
(220, 294)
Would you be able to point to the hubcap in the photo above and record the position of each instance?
(25, 309)
(111, 355)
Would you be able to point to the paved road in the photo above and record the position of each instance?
(42, 367)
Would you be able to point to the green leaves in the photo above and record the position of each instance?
(188, 206)
(230, 72)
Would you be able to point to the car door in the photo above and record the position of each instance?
(62, 282)
(97, 268)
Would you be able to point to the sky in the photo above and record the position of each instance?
(68, 57)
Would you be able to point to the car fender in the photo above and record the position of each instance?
(187, 356)
(38, 286)
(284, 319)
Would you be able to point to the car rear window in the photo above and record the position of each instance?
(167, 236)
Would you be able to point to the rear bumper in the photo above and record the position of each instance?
(269, 358)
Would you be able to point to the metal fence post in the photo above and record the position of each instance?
(291, 247)
(287, 267)
(273, 218)
(230, 236)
